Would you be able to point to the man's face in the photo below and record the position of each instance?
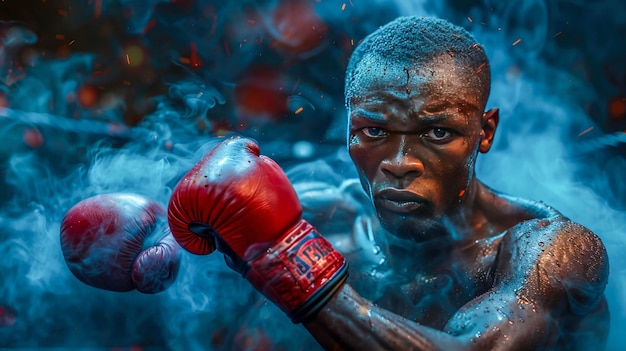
(414, 133)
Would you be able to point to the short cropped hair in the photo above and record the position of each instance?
(416, 41)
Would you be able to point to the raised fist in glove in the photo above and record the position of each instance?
(242, 204)
(120, 242)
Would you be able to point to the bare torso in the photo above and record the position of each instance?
(528, 279)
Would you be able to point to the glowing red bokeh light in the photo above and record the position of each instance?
(87, 96)
(260, 95)
(33, 138)
(297, 28)
(617, 109)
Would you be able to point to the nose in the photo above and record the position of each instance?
(404, 161)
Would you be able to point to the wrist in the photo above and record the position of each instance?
(299, 273)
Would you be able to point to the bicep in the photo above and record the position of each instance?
(500, 320)
(549, 277)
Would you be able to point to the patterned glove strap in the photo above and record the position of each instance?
(299, 273)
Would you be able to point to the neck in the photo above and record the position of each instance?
(454, 231)
(465, 223)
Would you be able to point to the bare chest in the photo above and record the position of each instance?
(431, 298)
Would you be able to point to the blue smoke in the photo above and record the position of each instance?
(79, 118)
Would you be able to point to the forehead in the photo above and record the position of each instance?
(442, 76)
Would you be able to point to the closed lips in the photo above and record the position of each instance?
(402, 201)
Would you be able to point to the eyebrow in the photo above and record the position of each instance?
(369, 115)
(427, 119)
(380, 118)
(441, 106)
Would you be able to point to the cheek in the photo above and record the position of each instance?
(358, 154)
(456, 170)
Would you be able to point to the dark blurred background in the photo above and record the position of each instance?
(103, 95)
(272, 70)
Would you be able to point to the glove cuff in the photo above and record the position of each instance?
(299, 273)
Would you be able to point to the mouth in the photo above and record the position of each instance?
(401, 201)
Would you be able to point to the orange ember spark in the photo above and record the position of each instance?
(151, 24)
(517, 42)
(343, 7)
(480, 68)
(461, 193)
(469, 19)
(195, 58)
(585, 131)
(332, 212)
(300, 109)
(557, 34)
(127, 59)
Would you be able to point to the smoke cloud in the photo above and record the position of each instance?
(125, 96)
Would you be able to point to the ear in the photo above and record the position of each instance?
(490, 121)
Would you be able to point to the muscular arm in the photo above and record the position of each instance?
(550, 279)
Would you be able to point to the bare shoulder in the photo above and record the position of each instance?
(557, 261)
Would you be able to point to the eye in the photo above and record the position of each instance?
(373, 132)
(438, 134)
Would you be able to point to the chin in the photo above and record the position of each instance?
(409, 227)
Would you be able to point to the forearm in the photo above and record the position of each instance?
(349, 322)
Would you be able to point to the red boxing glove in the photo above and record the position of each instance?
(242, 204)
(120, 242)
